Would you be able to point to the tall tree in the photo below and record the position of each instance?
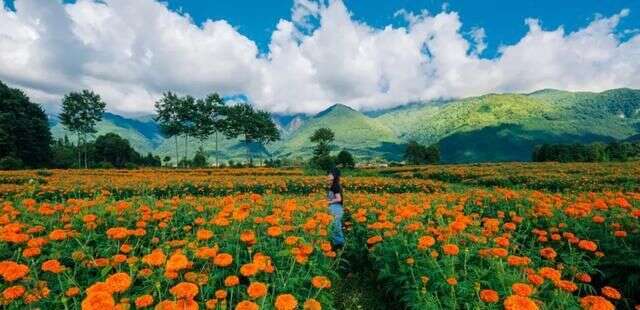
(254, 126)
(187, 115)
(80, 113)
(210, 119)
(24, 129)
(323, 137)
(168, 117)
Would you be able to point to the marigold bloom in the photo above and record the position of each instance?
(521, 289)
(155, 258)
(119, 282)
(117, 233)
(489, 296)
(567, 286)
(452, 281)
(247, 305)
(249, 270)
(610, 293)
(177, 261)
(144, 301)
(588, 245)
(374, 240)
(231, 281)
(13, 292)
(592, 302)
(221, 294)
(12, 271)
(312, 304)
(515, 302)
(450, 249)
(548, 253)
(321, 282)
(257, 290)
(426, 242)
(98, 301)
(223, 260)
(184, 290)
(52, 266)
(72, 291)
(286, 302)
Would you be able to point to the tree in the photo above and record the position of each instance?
(254, 126)
(417, 154)
(345, 160)
(80, 113)
(187, 116)
(168, 118)
(321, 159)
(200, 159)
(115, 150)
(24, 129)
(210, 119)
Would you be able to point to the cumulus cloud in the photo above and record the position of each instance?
(132, 51)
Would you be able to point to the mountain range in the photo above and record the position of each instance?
(492, 127)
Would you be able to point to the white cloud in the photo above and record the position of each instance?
(132, 51)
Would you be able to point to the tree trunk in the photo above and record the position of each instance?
(84, 143)
(177, 154)
(79, 152)
(217, 165)
(186, 148)
(246, 141)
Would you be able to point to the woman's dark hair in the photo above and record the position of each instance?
(335, 184)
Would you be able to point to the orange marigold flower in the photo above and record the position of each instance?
(184, 290)
(221, 294)
(72, 291)
(247, 305)
(223, 260)
(98, 301)
(521, 289)
(177, 261)
(548, 253)
(489, 296)
(231, 281)
(257, 290)
(13, 292)
(374, 240)
(583, 277)
(117, 233)
(99, 287)
(610, 293)
(550, 273)
(515, 302)
(248, 237)
(452, 281)
(567, 286)
(286, 302)
(156, 258)
(249, 270)
(12, 271)
(426, 242)
(321, 282)
(311, 304)
(119, 282)
(592, 302)
(52, 266)
(144, 301)
(204, 234)
(450, 249)
(274, 231)
(588, 245)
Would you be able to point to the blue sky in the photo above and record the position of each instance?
(361, 53)
(503, 20)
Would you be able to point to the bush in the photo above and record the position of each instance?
(345, 160)
(104, 165)
(10, 163)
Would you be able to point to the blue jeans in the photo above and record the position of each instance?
(337, 237)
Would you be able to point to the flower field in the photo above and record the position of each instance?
(258, 239)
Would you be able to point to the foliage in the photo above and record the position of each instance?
(199, 159)
(344, 159)
(418, 154)
(24, 130)
(80, 113)
(253, 126)
(595, 152)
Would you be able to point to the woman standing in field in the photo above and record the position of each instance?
(334, 199)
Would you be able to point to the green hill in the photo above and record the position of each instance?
(493, 127)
